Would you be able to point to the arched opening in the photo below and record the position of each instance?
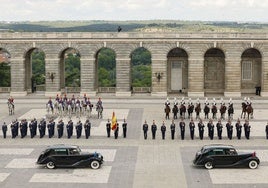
(35, 79)
(70, 70)
(5, 81)
(177, 71)
(141, 71)
(251, 71)
(214, 71)
(105, 71)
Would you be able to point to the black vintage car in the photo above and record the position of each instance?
(211, 156)
(69, 156)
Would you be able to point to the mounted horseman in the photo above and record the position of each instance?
(206, 109)
(197, 108)
(167, 108)
(182, 108)
(190, 108)
(223, 109)
(175, 109)
(214, 109)
(11, 105)
(99, 108)
(230, 109)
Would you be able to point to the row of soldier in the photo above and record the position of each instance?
(22, 128)
(201, 129)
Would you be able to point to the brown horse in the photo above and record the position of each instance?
(182, 111)
(197, 110)
(223, 111)
(247, 109)
(167, 111)
(214, 112)
(190, 110)
(206, 111)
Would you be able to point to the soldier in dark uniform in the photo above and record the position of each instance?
(210, 129)
(163, 130)
(16, 128)
(69, 128)
(201, 129)
(238, 127)
(229, 128)
(153, 129)
(219, 129)
(60, 127)
(108, 128)
(34, 125)
(145, 130)
(182, 127)
(42, 128)
(78, 128)
(23, 128)
(13, 131)
(266, 130)
(172, 129)
(4, 130)
(192, 127)
(124, 126)
(87, 127)
(116, 131)
(31, 127)
(247, 129)
(49, 129)
(52, 127)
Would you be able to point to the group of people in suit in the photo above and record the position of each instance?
(201, 129)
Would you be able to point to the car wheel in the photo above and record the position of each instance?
(209, 165)
(253, 164)
(95, 164)
(50, 165)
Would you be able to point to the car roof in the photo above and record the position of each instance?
(57, 146)
(213, 146)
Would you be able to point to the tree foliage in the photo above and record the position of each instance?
(5, 75)
(72, 70)
(106, 68)
(38, 67)
(141, 72)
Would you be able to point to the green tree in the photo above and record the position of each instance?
(5, 75)
(141, 73)
(106, 68)
(72, 70)
(38, 67)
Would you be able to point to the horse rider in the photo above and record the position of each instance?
(73, 99)
(182, 101)
(11, 101)
(167, 103)
(175, 101)
(85, 98)
(57, 98)
(65, 99)
(214, 102)
(248, 102)
(206, 102)
(50, 103)
(99, 103)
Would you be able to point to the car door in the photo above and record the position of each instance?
(218, 156)
(61, 157)
(73, 156)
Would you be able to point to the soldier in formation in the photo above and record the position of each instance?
(192, 127)
(23, 128)
(201, 129)
(42, 128)
(238, 127)
(60, 128)
(108, 128)
(229, 128)
(4, 130)
(116, 131)
(266, 130)
(219, 129)
(172, 129)
(153, 129)
(124, 126)
(163, 130)
(210, 126)
(182, 128)
(78, 128)
(87, 127)
(69, 128)
(145, 129)
(247, 129)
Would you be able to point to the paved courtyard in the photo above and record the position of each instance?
(132, 161)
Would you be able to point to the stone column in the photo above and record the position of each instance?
(123, 77)
(196, 76)
(88, 76)
(17, 70)
(232, 77)
(264, 87)
(159, 77)
(52, 68)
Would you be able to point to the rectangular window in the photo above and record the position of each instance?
(247, 70)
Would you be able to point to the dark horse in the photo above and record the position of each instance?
(190, 110)
(167, 111)
(175, 111)
(230, 111)
(247, 108)
(206, 111)
(223, 111)
(197, 110)
(214, 111)
(182, 111)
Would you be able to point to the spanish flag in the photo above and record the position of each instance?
(114, 122)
